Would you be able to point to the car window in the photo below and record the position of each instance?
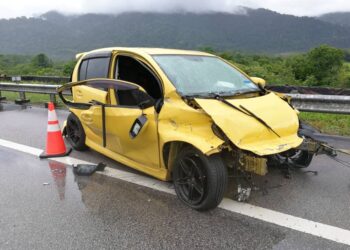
(94, 68)
(82, 70)
(202, 75)
(131, 70)
(97, 68)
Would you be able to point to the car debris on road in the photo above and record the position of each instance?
(88, 169)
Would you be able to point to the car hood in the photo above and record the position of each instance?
(247, 132)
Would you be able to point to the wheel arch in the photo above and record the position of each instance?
(171, 149)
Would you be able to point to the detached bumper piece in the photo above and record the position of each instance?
(88, 169)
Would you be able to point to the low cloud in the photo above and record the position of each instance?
(15, 8)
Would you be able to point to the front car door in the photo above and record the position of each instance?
(144, 147)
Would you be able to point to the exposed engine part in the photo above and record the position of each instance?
(253, 164)
(246, 162)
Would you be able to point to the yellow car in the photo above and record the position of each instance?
(185, 116)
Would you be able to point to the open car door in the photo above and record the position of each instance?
(128, 128)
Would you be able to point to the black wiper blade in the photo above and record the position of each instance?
(229, 104)
(246, 112)
(259, 119)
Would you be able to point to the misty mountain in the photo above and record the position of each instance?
(254, 31)
(338, 18)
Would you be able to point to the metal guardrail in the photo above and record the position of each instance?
(321, 103)
(44, 79)
(310, 90)
(47, 89)
(304, 102)
(314, 90)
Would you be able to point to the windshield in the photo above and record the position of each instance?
(203, 75)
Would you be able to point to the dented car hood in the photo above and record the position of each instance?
(246, 132)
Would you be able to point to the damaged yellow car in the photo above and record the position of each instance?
(179, 115)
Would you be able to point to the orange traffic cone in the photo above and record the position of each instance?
(55, 146)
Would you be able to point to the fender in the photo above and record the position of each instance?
(182, 123)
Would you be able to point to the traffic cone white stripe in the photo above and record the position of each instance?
(52, 116)
(53, 128)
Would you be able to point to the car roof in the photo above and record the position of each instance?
(148, 51)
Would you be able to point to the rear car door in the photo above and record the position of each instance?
(92, 67)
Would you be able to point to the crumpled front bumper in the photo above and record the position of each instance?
(272, 146)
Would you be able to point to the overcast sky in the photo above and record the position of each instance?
(14, 8)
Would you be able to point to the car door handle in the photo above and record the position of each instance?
(87, 117)
(79, 93)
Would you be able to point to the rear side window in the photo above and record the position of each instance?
(94, 68)
(82, 71)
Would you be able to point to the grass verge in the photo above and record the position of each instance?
(34, 98)
(332, 124)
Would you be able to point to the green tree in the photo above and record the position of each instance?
(325, 64)
(300, 67)
(41, 61)
(69, 67)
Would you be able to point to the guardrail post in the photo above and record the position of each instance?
(2, 97)
(22, 95)
(52, 99)
(22, 98)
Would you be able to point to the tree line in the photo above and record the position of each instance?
(321, 66)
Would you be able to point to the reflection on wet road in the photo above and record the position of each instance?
(59, 172)
(102, 212)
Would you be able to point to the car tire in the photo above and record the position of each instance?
(75, 133)
(298, 158)
(303, 159)
(200, 181)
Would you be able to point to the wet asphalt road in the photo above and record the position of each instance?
(99, 212)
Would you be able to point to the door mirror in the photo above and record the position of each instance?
(136, 128)
(259, 81)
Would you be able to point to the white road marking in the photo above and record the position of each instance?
(20, 147)
(321, 230)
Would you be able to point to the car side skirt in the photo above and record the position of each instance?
(159, 173)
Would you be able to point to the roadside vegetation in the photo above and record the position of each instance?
(332, 124)
(36, 99)
(39, 65)
(322, 66)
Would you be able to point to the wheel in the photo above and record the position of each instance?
(75, 133)
(200, 181)
(298, 158)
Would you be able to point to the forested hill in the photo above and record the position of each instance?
(254, 31)
(338, 18)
